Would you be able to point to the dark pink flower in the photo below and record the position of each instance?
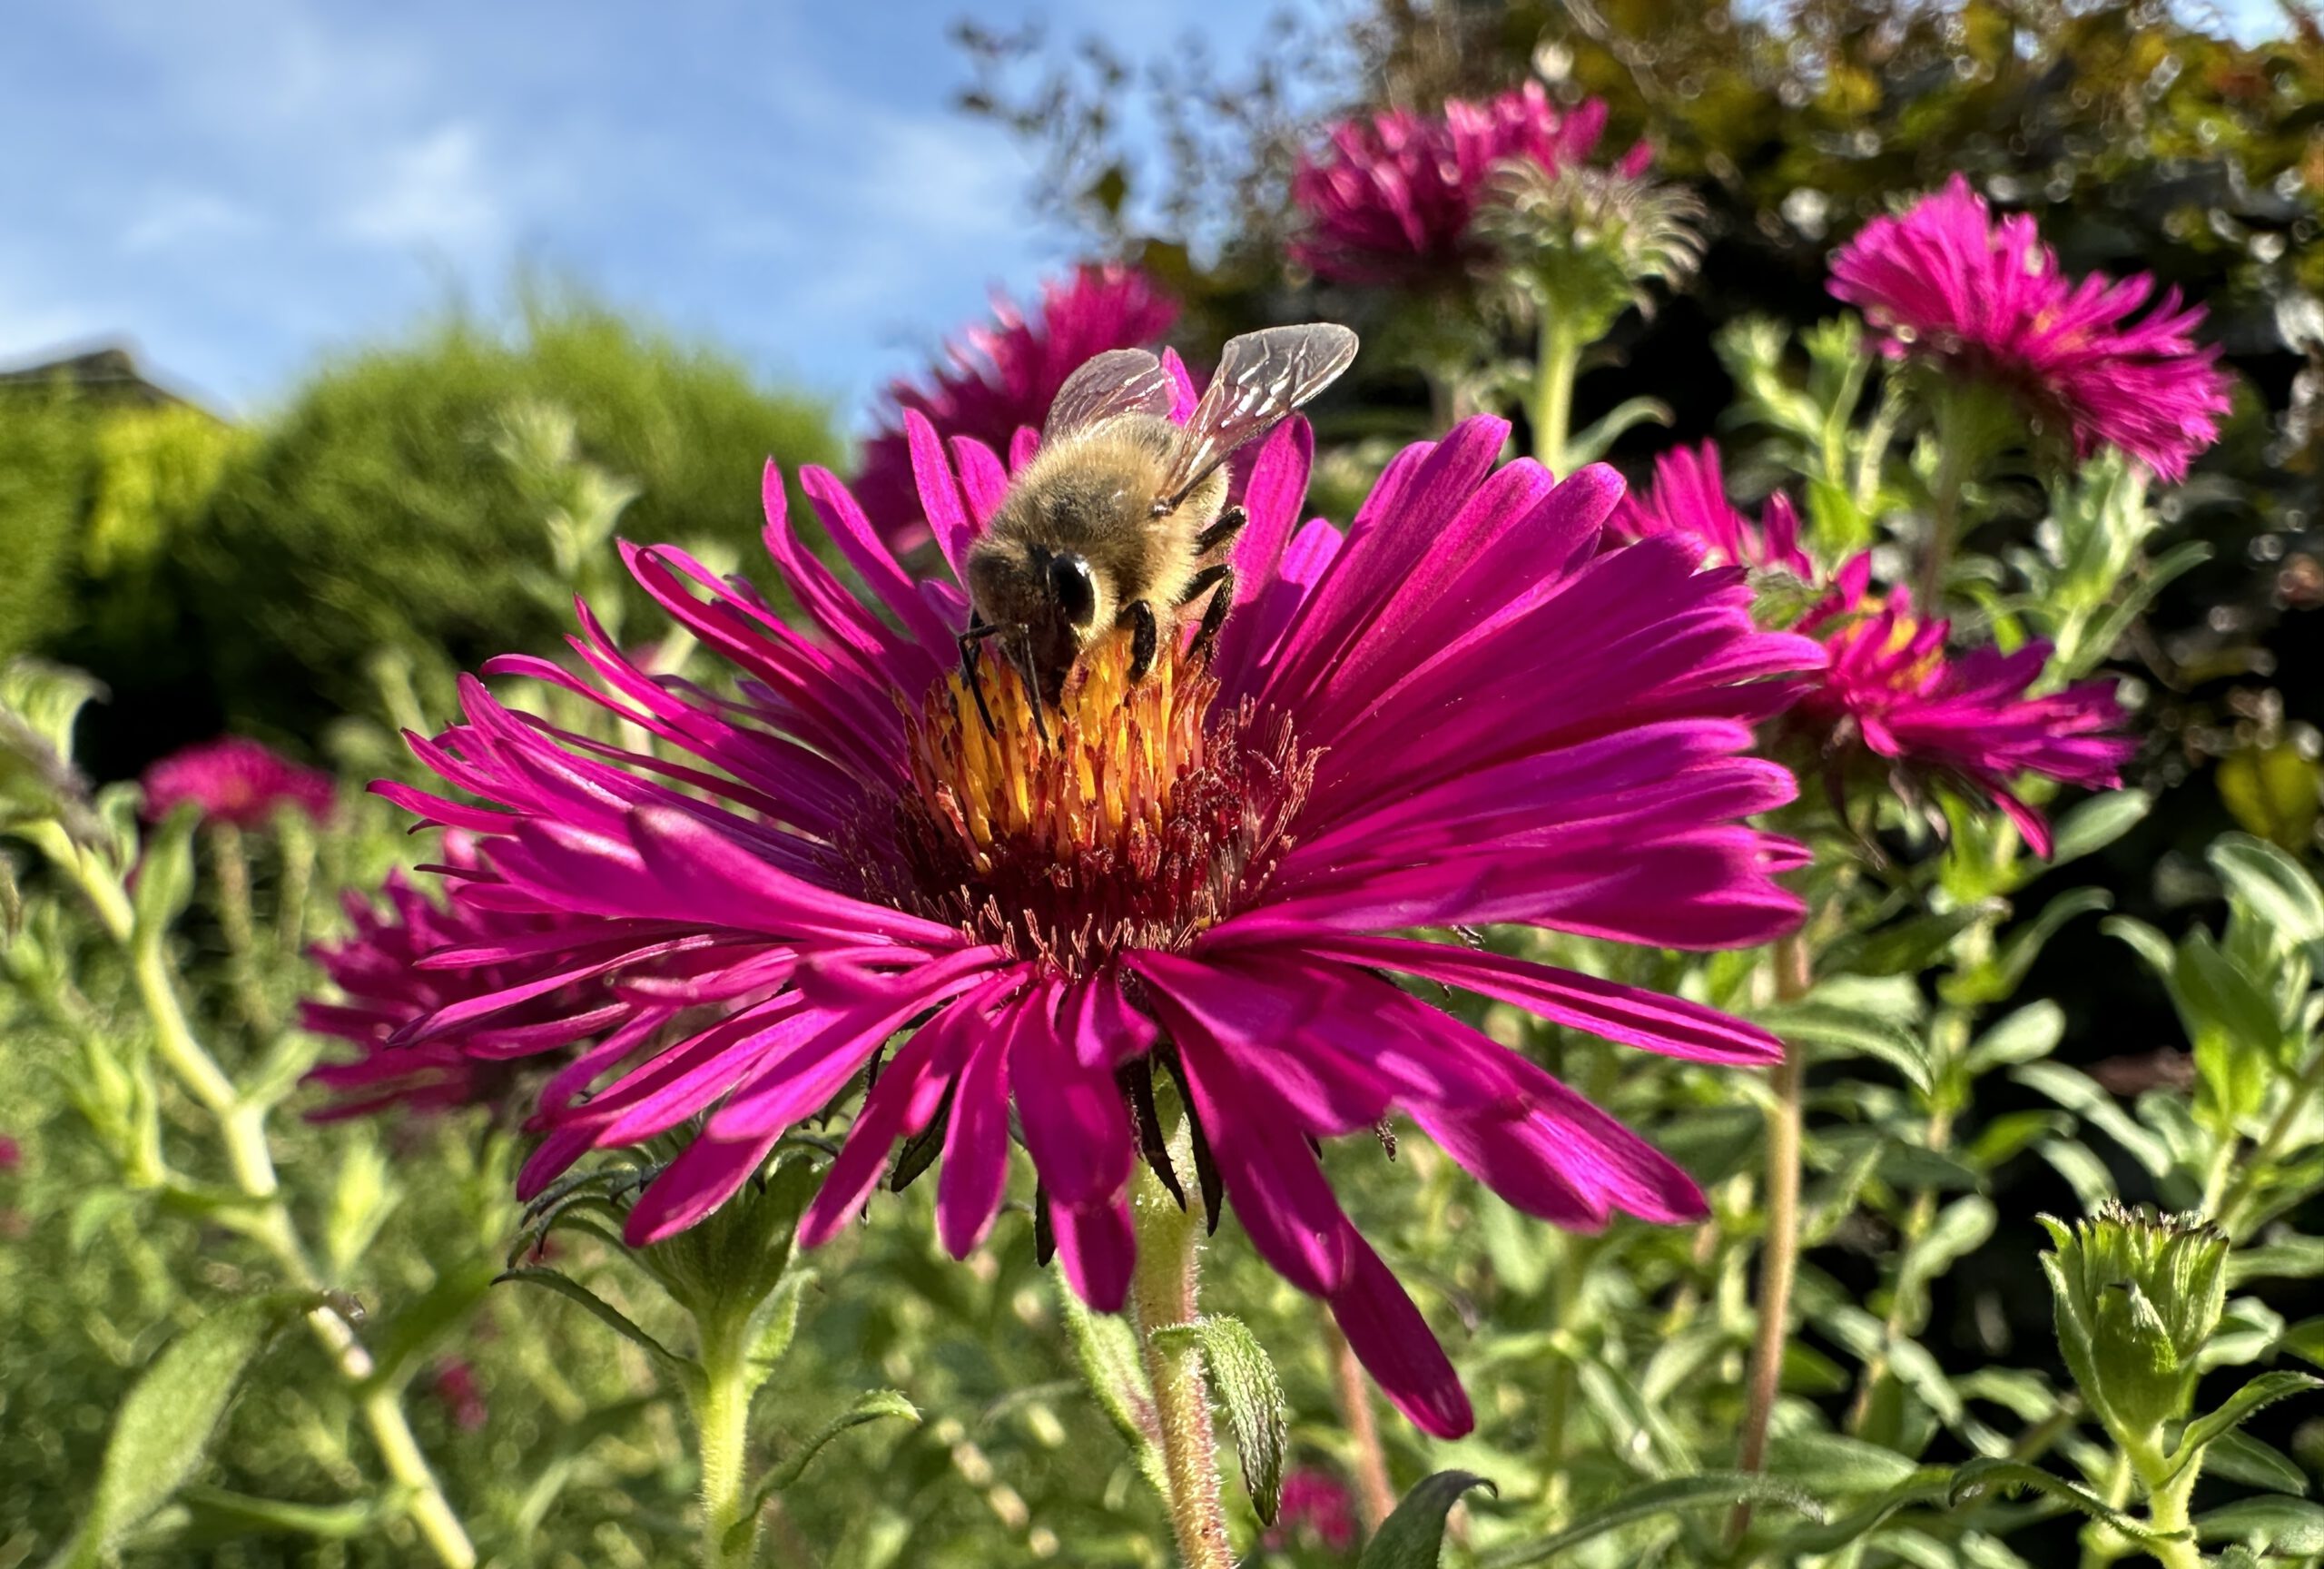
(1458, 710)
(411, 958)
(1947, 281)
(1318, 1505)
(1688, 500)
(455, 1386)
(1971, 720)
(1390, 198)
(235, 780)
(12, 1154)
(1001, 379)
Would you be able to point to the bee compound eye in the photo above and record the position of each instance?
(1073, 588)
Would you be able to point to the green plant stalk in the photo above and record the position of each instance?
(1550, 410)
(2227, 1207)
(230, 858)
(1953, 459)
(721, 1402)
(1163, 1289)
(2167, 1501)
(1949, 1031)
(1780, 1260)
(242, 1129)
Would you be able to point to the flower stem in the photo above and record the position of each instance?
(1551, 409)
(1955, 460)
(722, 1414)
(1162, 1291)
(241, 1127)
(1375, 1496)
(1780, 1260)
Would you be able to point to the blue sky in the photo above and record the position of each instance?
(235, 186)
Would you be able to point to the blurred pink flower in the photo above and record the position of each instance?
(1689, 500)
(1969, 719)
(408, 958)
(1314, 1504)
(1001, 379)
(1946, 282)
(1458, 710)
(235, 780)
(1390, 198)
(455, 1386)
(12, 1154)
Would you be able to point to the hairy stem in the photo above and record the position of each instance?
(1551, 407)
(1780, 1260)
(1955, 460)
(722, 1415)
(1375, 1496)
(1163, 1293)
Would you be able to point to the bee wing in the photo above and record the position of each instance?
(1116, 382)
(1262, 377)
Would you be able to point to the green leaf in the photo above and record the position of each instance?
(214, 1514)
(1837, 1463)
(165, 874)
(415, 1328)
(1926, 1484)
(1711, 1489)
(2095, 823)
(1106, 1348)
(2305, 1339)
(2240, 1457)
(2275, 886)
(2293, 1527)
(1243, 1380)
(607, 1314)
(2214, 992)
(2030, 1033)
(2016, 1477)
(1997, 979)
(872, 1405)
(2079, 1093)
(1591, 443)
(2240, 1408)
(1851, 1031)
(1413, 1536)
(1960, 1228)
(164, 1425)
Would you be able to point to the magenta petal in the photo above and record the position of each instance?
(1075, 1125)
(910, 1090)
(1396, 1347)
(976, 1140)
(706, 1174)
(1098, 1249)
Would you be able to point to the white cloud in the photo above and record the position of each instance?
(174, 220)
(431, 192)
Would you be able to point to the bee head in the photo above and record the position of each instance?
(1072, 589)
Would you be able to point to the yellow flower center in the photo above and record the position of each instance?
(1138, 820)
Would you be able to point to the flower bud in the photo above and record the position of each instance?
(1586, 242)
(2138, 1295)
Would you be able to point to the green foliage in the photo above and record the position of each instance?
(44, 481)
(379, 509)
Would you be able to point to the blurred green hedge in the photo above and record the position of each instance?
(213, 576)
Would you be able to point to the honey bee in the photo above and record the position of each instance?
(1120, 520)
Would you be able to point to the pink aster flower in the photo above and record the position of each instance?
(12, 1154)
(1967, 719)
(1318, 1505)
(1002, 378)
(235, 780)
(1945, 280)
(1390, 198)
(456, 1388)
(1458, 710)
(1689, 501)
(411, 958)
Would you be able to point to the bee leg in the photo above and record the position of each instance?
(1219, 581)
(970, 672)
(1030, 674)
(1230, 523)
(1144, 638)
